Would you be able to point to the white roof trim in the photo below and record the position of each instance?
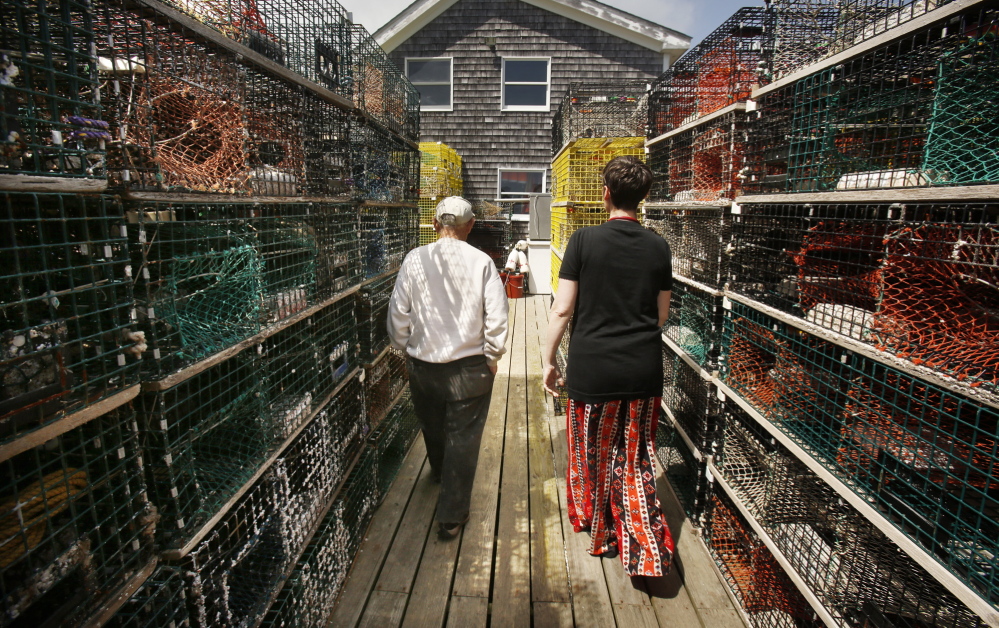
(589, 12)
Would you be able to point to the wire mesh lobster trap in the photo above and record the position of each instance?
(338, 240)
(310, 592)
(75, 520)
(686, 475)
(916, 112)
(372, 312)
(918, 281)
(492, 237)
(762, 587)
(698, 236)
(721, 70)
(701, 164)
(161, 602)
(381, 90)
(51, 122)
(695, 323)
(384, 167)
(440, 175)
(392, 440)
(690, 399)
(605, 109)
(65, 303)
(387, 234)
(236, 572)
(852, 567)
(578, 169)
(383, 382)
(924, 455)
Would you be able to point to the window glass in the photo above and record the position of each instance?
(526, 95)
(525, 84)
(526, 71)
(432, 77)
(520, 183)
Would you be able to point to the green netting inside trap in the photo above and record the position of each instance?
(964, 125)
(75, 522)
(694, 322)
(50, 119)
(288, 250)
(161, 602)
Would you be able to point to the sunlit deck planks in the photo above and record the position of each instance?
(518, 562)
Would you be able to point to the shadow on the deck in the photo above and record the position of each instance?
(518, 562)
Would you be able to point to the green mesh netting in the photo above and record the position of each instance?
(964, 127)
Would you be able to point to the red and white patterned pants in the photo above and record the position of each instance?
(612, 483)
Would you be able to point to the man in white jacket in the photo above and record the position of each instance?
(448, 312)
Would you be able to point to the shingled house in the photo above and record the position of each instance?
(491, 73)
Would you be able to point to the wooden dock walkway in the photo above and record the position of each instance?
(518, 562)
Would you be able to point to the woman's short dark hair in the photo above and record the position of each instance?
(628, 180)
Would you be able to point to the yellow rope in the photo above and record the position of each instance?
(36, 504)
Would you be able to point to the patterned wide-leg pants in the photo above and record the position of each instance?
(612, 483)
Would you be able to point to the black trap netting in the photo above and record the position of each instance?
(686, 475)
(697, 237)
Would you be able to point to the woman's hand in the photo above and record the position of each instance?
(552, 379)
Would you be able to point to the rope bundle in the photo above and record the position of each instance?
(27, 515)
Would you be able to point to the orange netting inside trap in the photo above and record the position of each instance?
(721, 80)
(752, 355)
(840, 263)
(715, 165)
(197, 137)
(924, 428)
(751, 569)
(940, 304)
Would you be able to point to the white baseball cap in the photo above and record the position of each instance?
(457, 207)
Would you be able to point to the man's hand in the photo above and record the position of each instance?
(552, 379)
(493, 368)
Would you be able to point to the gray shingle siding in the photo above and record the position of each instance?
(485, 137)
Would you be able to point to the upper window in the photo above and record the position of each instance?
(525, 84)
(432, 77)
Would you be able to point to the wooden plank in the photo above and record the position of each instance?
(549, 575)
(590, 599)
(553, 615)
(512, 576)
(623, 588)
(638, 616)
(890, 195)
(468, 612)
(114, 603)
(407, 548)
(381, 531)
(670, 601)
(429, 598)
(475, 559)
(385, 609)
(63, 185)
(71, 421)
(181, 197)
(738, 106)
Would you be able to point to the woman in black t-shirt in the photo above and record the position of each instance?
(615, 283)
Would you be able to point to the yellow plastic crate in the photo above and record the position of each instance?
(427, 234)
(556, 266)
(427, 207)
(440, 170)
(577, 170)
(566, 220)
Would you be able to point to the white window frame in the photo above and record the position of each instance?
(547, 84)
(525, 198)
(450, 83)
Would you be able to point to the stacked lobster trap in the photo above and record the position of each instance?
(836, 315)
(611, 109)
(188, 214)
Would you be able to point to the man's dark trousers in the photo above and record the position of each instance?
(452, 401)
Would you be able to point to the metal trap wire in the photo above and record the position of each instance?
(309, 595)
(695, 323)
(763, 588)
(912, 113)
(440, 174)
(381, 90)
(372, 312)
(851, 566)
(177, 109)
(924, 455)
(65, 305)
(567, 218)
(721, 70)
(698, 236)
(384, 167)
(493, 237)
(685, 474)
(702, 164)
(51, 122)
(387, 234)
(335, 331)
(383, 381)
(600, 109)
(392, 440)
(75, 522)
(691, 400)
(577, 170)
(918, 281)
(161, 602)
(338, 239)
(234, 573)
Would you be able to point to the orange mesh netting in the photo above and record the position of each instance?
(715, 164)
(751, 358)
(839, 262)
(941, 299)
(721, 80)
(198, 137)
(923, 427)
